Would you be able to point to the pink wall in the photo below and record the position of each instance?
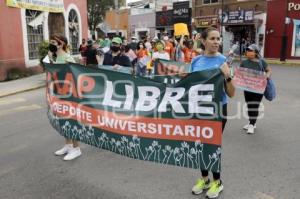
(82, 6)
(11, 39)
(11, 36)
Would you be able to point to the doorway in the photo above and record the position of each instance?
(56, 24)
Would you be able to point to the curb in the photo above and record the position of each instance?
(22, 91)
(283, 63)
(294, 63)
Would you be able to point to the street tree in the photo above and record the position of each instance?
(96, 12)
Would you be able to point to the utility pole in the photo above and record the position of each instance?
(222, 19)
(116, 2)
(284, 36)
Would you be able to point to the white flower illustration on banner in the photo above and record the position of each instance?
(183, 155)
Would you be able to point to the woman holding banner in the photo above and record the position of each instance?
(58, 54)
(254, 62)
(212, 59)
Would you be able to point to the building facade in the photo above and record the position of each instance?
(22, 30)
(239, 21)
(283, 29)
(117, 22)
(142, 23)
(180, 12)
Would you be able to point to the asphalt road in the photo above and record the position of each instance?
(265, 165)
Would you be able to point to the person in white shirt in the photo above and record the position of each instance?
(160, 53)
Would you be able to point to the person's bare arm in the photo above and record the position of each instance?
(268, 72)
(182, 46)
(229, 87)
(99, 61)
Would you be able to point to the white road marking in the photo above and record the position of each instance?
(260, 195)
(20, 109)
(11, 101)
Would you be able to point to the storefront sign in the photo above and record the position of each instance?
(293, 6)
(249, 16)
(140, 118)
(182, 12)
(205, 22)
(238, 16)
(41, 5)
(164, 18)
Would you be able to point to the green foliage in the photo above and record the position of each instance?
(17, 73)
(96, 11)
(43, 50)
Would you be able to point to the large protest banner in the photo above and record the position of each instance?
(41, 5)
(170, 71)
(250, 80)
(141, 118)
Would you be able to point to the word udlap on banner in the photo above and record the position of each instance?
(177, 124)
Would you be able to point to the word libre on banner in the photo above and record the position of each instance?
(178, 124)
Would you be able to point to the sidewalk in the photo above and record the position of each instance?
(22, 85)
(288, 62)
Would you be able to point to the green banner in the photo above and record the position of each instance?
(178, 124)
(41, 5)
(170, 72)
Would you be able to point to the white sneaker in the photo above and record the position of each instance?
(250, 129)
(247, 126)
(64, 150)
(73, 153)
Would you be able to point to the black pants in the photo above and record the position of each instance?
(253, 101)
(217, 175)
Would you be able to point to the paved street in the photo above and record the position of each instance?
(265, 165)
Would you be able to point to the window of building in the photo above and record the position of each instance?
(73, 31)
(34, 25)
(210, 1)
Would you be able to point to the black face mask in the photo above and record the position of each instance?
(115, 48)
(53, 48)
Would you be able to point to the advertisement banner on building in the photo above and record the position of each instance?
(41, 5)
(249, 16)
(250, 80)
(296, 39)
(237, 16)
(182, 12)
(178, 124)
(164, 18)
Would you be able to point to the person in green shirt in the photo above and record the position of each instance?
(254, 61)
(58, 54)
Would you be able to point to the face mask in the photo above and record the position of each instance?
(250, 55)
(159, 47)
(115, 48)
(141, 46)
(166, 38)
(53, 48)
